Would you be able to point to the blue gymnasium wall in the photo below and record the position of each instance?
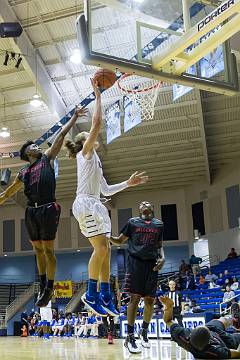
(72, 266)
(21, 269)
(174, 255)
(17, 269)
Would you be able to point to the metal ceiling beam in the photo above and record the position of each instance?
(203, 135)
(11, 71)
(150, 185)
(23, 45)
(17, 87)
(118, 25)
(63, 183)
(58, 15)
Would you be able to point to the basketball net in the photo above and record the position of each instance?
(143, 93)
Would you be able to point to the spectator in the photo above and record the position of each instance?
(183, 268)
(227, 282)
(212, 285)
(194, 262)
(82, 322)
(210, 276)
(186, 309)
(190, 284)
(91, 324)
(24, 318)
(201, 280)
(58, 328)
(196, 308)
(68, 326)
(220, 280)
(228, 295)
(232, 254)
(235, 284)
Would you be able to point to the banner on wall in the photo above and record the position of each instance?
(132, 113)
(152, 329)
(188, 323)
(63, 289)
(112, 120)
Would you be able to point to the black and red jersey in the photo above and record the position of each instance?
(144, 237)
(39, 181)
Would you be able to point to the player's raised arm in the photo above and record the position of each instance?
(53, 151)
(96, 122)
(11, 190)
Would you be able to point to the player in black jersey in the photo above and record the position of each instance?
(211, 341)
(42, 213)
(145, 259)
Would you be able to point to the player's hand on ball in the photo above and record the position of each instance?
(137, 178)
(80, 111)
(166, 301)
(159, 265)
(96, 88)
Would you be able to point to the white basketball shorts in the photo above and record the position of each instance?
(46, 314)
(92, 216)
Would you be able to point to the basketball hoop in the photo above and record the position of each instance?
(143, 93)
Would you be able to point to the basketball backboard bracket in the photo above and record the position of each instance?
(142, 67)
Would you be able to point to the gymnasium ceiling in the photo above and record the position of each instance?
(187, 141)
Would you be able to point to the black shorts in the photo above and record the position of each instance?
(42, 222)
(140, 277)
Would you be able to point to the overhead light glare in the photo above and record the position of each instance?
(76, 58)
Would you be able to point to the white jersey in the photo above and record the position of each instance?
(87, 208)
(89, 175)
(46, 312)
(91, 181)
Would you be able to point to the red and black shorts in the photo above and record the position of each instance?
(140, 278)
(42, 221)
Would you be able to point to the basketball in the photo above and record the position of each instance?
(105, 78)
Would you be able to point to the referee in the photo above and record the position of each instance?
(177, 299)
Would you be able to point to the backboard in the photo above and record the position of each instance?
(179, 42)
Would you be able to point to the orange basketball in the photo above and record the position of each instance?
(105, 78)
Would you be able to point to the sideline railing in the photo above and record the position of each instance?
(20, 301)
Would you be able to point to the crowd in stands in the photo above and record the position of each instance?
(80, 325)
(192, 282)
(196, 282)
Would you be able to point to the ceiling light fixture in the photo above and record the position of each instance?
(4, 132)
(19, 60)
(6, 59)
(36, 99)
(76, 58)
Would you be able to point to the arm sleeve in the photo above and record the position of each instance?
(178, 331)
(126, 230)
(160, 237)
(108, 190)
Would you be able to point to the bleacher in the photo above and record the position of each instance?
(9, 292)
(210, 299)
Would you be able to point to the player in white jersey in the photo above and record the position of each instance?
(91, 214)
(46, 317)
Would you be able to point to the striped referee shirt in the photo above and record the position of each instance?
(176, 298)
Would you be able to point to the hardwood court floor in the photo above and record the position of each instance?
(17, 348)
